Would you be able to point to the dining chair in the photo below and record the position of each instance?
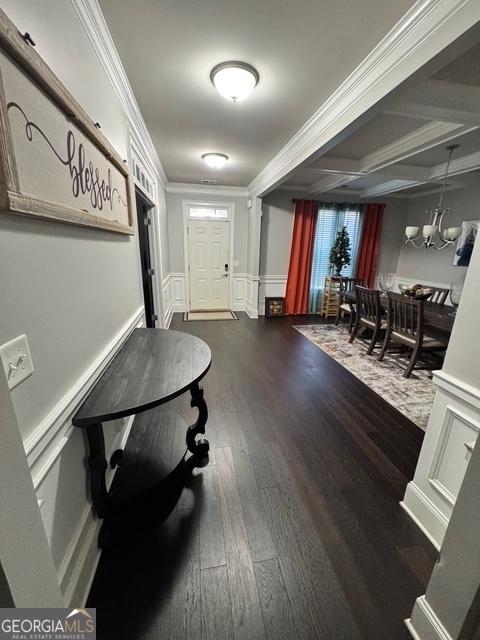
(345, 306)
(405, 325)
(369, 314)
(438, 295)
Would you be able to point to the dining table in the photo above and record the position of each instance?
(438, 316)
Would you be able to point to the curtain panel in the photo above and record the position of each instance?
(300, 266)
(370, 243)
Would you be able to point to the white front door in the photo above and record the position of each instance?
(208, 252)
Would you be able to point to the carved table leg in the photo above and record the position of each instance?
(98, 466)
(199, 448)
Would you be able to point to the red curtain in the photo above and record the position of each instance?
(300, 267)
(370, 243)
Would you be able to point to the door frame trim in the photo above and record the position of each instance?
(231, 220)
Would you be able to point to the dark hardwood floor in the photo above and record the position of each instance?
(293, 531)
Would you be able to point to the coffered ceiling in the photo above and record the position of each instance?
(401, 148)
(303, 51)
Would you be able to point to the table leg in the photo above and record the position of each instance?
(97, 463)
(199, 448)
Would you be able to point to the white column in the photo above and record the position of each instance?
(450, 608)
(455, 419)
(24, 552)
(253, 256)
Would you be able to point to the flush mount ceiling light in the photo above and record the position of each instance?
(215, 160)
(233, 80)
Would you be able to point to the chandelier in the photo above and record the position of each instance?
(435, 225)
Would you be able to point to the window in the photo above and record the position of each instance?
(207, 212)
(331, 218)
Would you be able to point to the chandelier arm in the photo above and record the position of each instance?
(412, 241)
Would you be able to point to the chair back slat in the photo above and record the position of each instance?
(368, 304)
(439, 295)
(405, 315)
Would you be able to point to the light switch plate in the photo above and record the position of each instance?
(16, 360)
(236, 263)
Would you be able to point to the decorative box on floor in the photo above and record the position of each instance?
(274, 307)
(330, 295)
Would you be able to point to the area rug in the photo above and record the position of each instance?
(190, 316)
(411, 396)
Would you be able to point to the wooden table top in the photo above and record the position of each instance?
(438, 316)
(151, 368)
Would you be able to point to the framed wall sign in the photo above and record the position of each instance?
(465, 243)
(54, 162)
(274, 307)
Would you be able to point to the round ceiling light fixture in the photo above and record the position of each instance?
(215, 160)
(234, 80)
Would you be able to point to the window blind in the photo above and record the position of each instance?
(331, 218)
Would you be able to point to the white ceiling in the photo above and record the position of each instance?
(303, 50)
(401, 148)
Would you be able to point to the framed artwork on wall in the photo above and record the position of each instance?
(274, 307)
(55, 163)
(466, 243)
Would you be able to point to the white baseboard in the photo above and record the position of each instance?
(425, 514)
(424, 623)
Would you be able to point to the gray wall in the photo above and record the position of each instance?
(175, 228)
(69, 289)
(277, 227)
(73, 288)
(431, 265)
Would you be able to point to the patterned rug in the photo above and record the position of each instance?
(411, 396)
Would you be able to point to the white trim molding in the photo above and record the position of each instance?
(425, 624)
(206, 190)
(95, 26)
(56, 445)
(167, 300)
(452, 431)
(230, 220)
(422, 32)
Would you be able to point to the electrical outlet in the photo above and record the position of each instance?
(16, 360)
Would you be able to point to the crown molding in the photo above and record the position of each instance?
(424, 30)
(206, 190)
(96, 28)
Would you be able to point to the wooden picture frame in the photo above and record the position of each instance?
(86, 182)
(275, 307)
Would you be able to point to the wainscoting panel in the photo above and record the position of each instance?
(239, 291)
(179, 301)
(175, 300)
(56, 454)
(449, 440)
(251, 300)
(270, 286)
(167, 300)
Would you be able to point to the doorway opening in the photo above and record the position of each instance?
(143, 219)
(208, 242)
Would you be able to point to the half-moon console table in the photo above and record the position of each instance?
(151, 368)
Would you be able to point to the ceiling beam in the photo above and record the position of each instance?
(388, 187)
(425, 137)
(438, 100)
(425, 30)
